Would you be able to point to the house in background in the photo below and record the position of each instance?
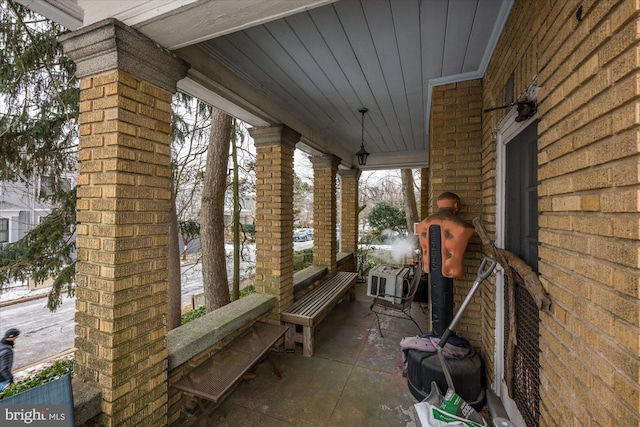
(21, 208)
(247, 209)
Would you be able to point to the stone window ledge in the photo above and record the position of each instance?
(312, 274)
(202, 333)
(343, 258)
(87, 401)
(308, 276)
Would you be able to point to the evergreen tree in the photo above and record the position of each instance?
(39, 110)
(385, 216)
(38, 138)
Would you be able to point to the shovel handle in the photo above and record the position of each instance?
(486, 267)
(445, 338)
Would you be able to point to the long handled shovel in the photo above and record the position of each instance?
(486, 267)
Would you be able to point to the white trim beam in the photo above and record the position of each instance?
(212, 81)
(177, 24)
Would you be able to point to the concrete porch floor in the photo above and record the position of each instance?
(353, 379)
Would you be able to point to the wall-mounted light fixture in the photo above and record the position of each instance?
(362, 154)
(525, 108)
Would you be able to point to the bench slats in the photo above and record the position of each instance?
(309, 310)
(213, 378)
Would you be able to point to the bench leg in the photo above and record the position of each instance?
(204, 412)
(273, 365)
(289, 340)
(307, 341)
(352, 293)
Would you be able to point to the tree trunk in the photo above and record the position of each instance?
(214, 260)
(410, 207)
(517, 267)
(174, 296)
(236, 223)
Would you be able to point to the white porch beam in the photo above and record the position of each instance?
(401, 160)
(213, 82)
(176, 24)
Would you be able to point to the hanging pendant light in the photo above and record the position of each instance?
(362, 154)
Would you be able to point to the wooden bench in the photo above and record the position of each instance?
(213, 378)
(309, 310)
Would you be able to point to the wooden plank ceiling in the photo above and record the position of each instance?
(321, 61)
(329, 62)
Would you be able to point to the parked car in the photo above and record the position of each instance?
(302, 235)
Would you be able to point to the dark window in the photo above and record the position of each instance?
(521, 238)
(383, 286)
(4, 230)
(521, 214)
(46, 186)
(49, 185)
(374, 285)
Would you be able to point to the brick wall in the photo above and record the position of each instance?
(588, 71)
(349, 225)
(123, 201)
(456, 165)
(424, 193)
(324, 211)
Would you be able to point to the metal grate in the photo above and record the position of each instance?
(526, 365)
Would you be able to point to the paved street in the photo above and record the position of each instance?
(42, 333)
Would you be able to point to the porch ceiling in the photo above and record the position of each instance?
(312, 64)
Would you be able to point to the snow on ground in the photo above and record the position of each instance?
(18, 290)
(34, 369)
(191, 277)
(192, 270)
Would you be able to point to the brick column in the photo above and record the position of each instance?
(424, 193)
(274, 213)
(350, 196)
(123, 195)
(455, 164)
(324, 211)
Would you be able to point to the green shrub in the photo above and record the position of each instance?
(249, 229)
(53, 372)
(193, 314)
(302, 259)
(10, 252)
(247, 290)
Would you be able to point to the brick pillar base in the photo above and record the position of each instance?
(274, 213)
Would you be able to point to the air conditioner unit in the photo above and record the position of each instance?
(389, 283)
